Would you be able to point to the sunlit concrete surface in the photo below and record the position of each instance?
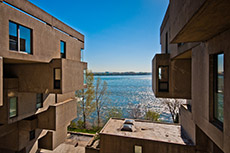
(73, 144)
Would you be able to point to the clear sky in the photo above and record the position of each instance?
(120, 35)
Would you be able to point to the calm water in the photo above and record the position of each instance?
(126, 91)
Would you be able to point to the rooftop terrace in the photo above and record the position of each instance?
(163, 132)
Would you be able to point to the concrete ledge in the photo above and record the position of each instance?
(81, 134)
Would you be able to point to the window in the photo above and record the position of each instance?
(13, 106)
(20, 38)
(32, 135)
(57, 78)
(218, 101)
(166, 43)
(82, 59)
(39, 100)
(63, 49)
(180, 44)
(137, 149)
(85, 77)
(163, 79)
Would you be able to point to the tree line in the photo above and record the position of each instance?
(95, 97)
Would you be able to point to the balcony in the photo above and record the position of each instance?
(195, 21)
(58, 115)
(59, 76)
(171, 78)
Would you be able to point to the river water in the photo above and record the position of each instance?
(133, 90)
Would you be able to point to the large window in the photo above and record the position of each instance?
(219, 88)
(57, 78)
(20, 38)
(163, 72)
(39, 100)
(13, 102)
(63, 49)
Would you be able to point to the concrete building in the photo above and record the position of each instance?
(40, 70)
(144, 137)
(194, 64)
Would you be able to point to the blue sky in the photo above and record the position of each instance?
(120, 35)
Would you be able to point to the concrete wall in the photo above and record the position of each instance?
(58, 115)
(181, 12)
(199, 20)
(45, 41)
(165, 28)
(45, 17)
(24, 75)
(115, 144)
(72, 75)
(1, 81)
(159, 60)
(187, 123)
(205, 24)
(39, 77)
(26, 105)
(179, 77)
(56, 118)
(91, 150)
(202, 86)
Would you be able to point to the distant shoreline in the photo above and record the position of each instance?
(120, 73)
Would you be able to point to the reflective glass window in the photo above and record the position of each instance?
(13, 106)
(219, 88)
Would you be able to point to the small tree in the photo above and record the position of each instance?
(151, 115)
(114, 112)
(73, 125)
(173, 107)
(86, 98)
(135, 111)
(101, 98)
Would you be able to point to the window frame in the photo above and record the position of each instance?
(166, 43)
(63, 55)
(134, 148)
(213, 88)
(54, 80)
(39, 102)
(159, 82)
(82, 54)
(32, 135)
(16, 107)
(18, 38)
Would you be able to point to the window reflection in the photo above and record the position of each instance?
(20, 38)
(39, 100)
(13, 106)
(163, 78)
(13, 35)
(62, 49)
(25, 39)
(219, 88)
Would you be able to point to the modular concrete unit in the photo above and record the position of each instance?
(197, 32)
(150, 136)
(37, 83)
